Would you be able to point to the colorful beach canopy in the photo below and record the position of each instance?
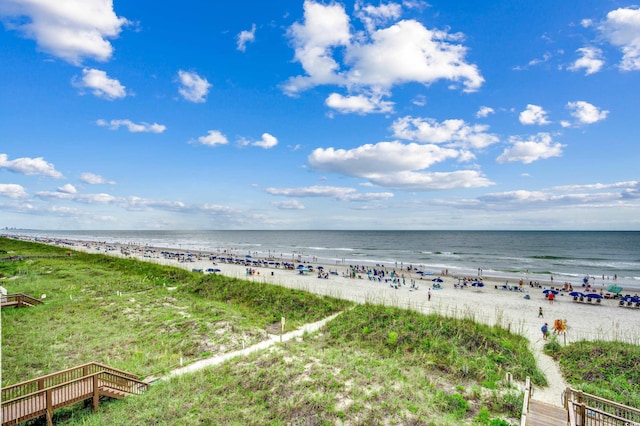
(614, 289)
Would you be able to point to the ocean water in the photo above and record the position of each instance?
(532, 255)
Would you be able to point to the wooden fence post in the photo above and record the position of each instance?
(49, 398)
(96, 395)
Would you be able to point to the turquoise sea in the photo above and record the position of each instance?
(533, 255)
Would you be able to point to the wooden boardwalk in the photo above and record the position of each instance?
(41, 396)
(543, 414)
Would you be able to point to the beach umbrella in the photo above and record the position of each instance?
(576, 294)
(319, 267)
(614, 289)
(248, 256)
(419, 272)
(437, 280)
(593, 296)
(547, 291)
(477, 284)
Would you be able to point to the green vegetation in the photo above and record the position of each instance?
(136, 316)
(371, 365)
(606, 369)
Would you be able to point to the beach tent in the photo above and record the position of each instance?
(616, 289)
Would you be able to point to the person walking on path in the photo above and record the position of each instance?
(540, 314)
(545, 331)
(429, 294)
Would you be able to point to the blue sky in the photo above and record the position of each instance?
(319, 115)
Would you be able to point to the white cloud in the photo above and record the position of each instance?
(324, 27)
(12, 190)
(374, 16)
(246, 37)
(93, 179)
(29, 166)
(68, 189)
(359, 104)
(586, 113)
(133, 127)
(289, 205)
(454, 133)
(213, 137)
(484, 112)
(381, 158)
(69, 29)
(336, 192)
(409, 52)
(193, 87)
(414, 181)
(401, 53)
(538, 147)
(267, 141)
(622, 28)
(534, 114)
(396, 165)
(591, 60)
(100, 84)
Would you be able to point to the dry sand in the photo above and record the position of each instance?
(510, 309)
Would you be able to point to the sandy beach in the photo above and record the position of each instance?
(490, 304)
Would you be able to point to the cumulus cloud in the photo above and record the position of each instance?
(289, 205)
(193, 87)
(29, 166)
(359, 104)
(453, 133)
(484, 112)
(71, 30)
(404, 52)
(622, 29)
(68, 189)
(246, 37)
(396, 165)
(533, 114)
(586, 113)
(93, 179)
(213, 138)
(132, 127)
(267, 141)
(100, 84)
(12, 190)
(375, 159)
(590, 61)
(538, 147)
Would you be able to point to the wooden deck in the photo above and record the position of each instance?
(18, 300)
(41, 396)
(543, 414)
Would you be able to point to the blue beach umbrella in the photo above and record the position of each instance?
(593, 296)
(576, 294)
(477, 284)
(437, 280)
(547, 291)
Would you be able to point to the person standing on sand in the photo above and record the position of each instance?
(540, 312)
(429, 294)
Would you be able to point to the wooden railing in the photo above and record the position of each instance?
(18, 300)
(41, 396)
(528, 393)
(590, 410)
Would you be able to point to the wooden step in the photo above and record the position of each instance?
(543, 414)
